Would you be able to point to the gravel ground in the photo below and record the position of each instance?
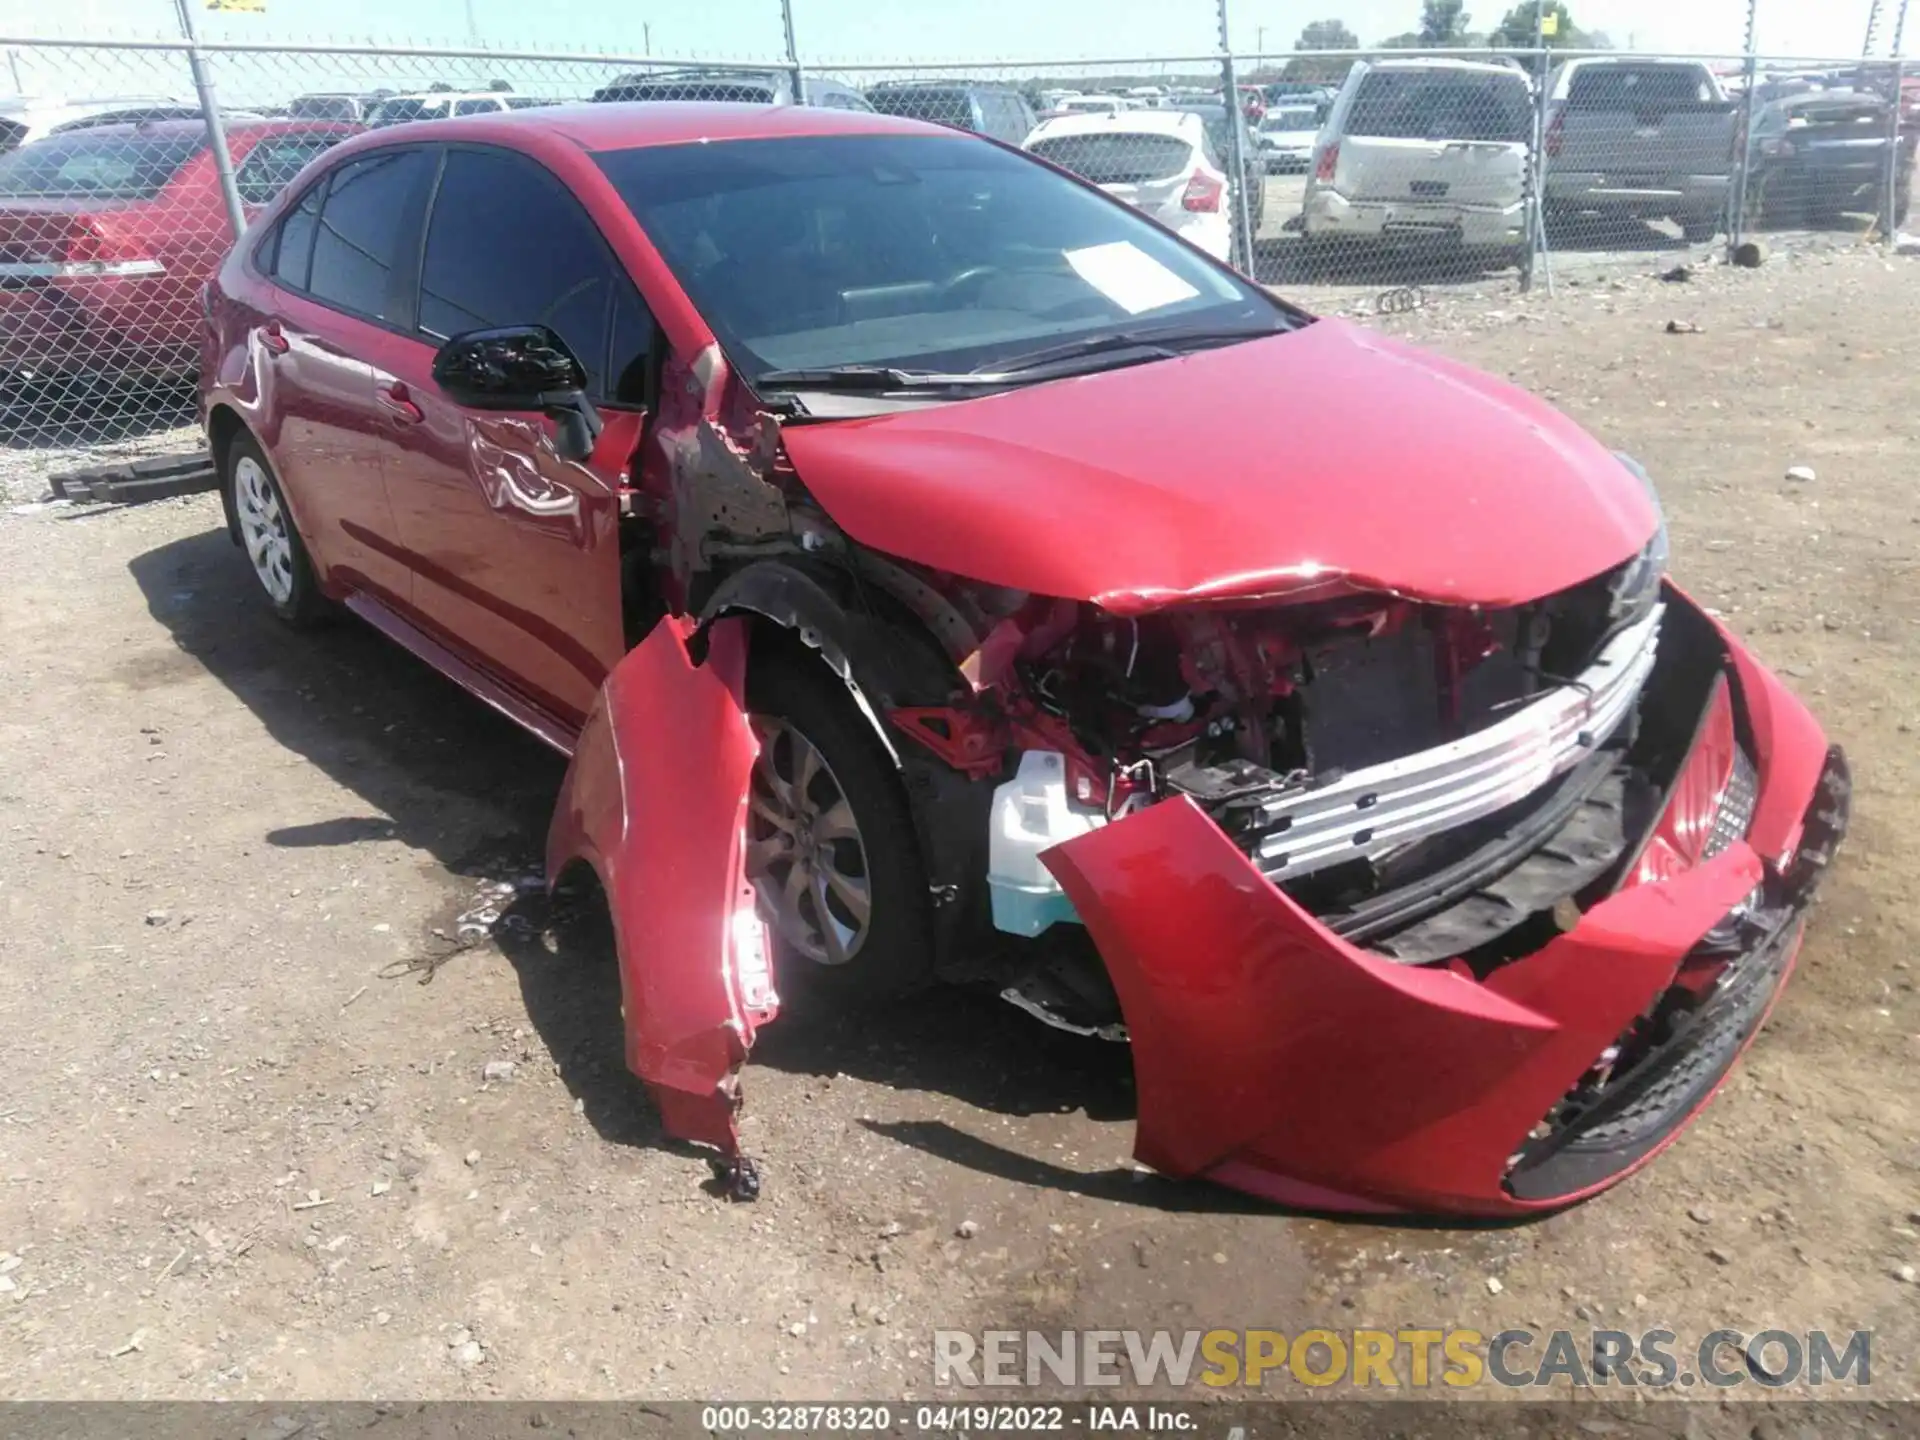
(272, 1126)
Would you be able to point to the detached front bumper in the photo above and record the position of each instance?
(1273, 1056)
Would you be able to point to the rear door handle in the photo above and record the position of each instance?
(273, 340)
(397, 401)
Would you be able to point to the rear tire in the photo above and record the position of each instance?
(815, 864)
(267, 533)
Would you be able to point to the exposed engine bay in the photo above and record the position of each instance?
(1372, 755)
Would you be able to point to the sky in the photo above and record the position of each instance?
(930, 30)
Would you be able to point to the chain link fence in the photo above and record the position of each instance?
(1328, 174)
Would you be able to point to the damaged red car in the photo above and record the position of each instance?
(936, 570)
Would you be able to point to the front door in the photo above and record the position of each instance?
(515, 551)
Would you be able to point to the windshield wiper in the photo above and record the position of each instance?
(865, 377)
(1161, 344)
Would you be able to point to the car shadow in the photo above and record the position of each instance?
(435, 770)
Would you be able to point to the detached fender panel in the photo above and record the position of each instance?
(655, 801)
(1265, 1046)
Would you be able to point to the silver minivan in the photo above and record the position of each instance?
(1425, 150)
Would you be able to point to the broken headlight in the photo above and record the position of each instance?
(1731, 817)
(1637, 588)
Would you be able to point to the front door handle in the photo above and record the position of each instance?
(272, 339)
(397, 401)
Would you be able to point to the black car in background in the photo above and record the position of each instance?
(998, 111)
(1822, 155)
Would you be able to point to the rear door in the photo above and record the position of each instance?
(337, 260)
(515, 551)
(1441, 136)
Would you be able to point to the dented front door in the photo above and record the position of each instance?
(655, 801)
(515, 551)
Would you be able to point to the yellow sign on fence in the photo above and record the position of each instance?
(256, 7)
(1549, 22)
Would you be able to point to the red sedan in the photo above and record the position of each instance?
(108, 233)
(934, 568)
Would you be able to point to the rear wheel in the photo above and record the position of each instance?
(267, 534)
(831, 847)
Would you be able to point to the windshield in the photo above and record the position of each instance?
(93, 164)
(914, 252)
(1441, 105)
(1294, 117)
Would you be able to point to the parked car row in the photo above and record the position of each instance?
(1430, 148)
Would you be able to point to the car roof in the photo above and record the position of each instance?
(628, 125)
(447, 95)
(1183, 124)
(164, 129)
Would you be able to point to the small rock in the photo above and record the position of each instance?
(797, 1329)
(1803, 473)
(7, 1285)
(380, 1187)
(1700, 1215)
(157, 917)
(473, 1157)
(1905, 1274)
(1219, 1258)
(967, 1229)
(10, 1263)
(469, 1355)
(460, 1337)
(1719, 1257)
(382, 1317)
(1683, 327)
(1639, 1302)
(1494, 1287)
(498, 1070)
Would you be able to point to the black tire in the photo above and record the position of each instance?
(791, 685)
(297, 601)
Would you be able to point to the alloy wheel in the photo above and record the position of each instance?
(804, 852)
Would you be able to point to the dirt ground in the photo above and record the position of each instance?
(246, 1146)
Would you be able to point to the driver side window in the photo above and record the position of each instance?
(508, 244)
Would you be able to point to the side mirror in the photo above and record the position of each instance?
(522, 367)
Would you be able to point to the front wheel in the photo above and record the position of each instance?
(267, 534)
(831, 847)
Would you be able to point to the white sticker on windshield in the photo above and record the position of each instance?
(1129, 277)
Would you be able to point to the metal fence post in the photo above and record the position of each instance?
(1536, 253)
(793, 54)
(216, 129)
(1894, 149)
(1242, 218)
(1743, 141)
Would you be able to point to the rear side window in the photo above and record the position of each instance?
(1441, 105)
(356, 246)
(97, 165)
(273, 162)
(507, 244)
(1637, 87)
(1116, 159)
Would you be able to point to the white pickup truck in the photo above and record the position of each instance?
(1649, 138)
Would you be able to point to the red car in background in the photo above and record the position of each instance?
(108, 233)
(935, 569)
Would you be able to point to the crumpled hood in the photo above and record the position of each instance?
(1326, 457)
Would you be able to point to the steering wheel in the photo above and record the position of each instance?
(972, 275)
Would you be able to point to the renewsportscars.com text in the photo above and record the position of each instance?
(1413, 1358)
